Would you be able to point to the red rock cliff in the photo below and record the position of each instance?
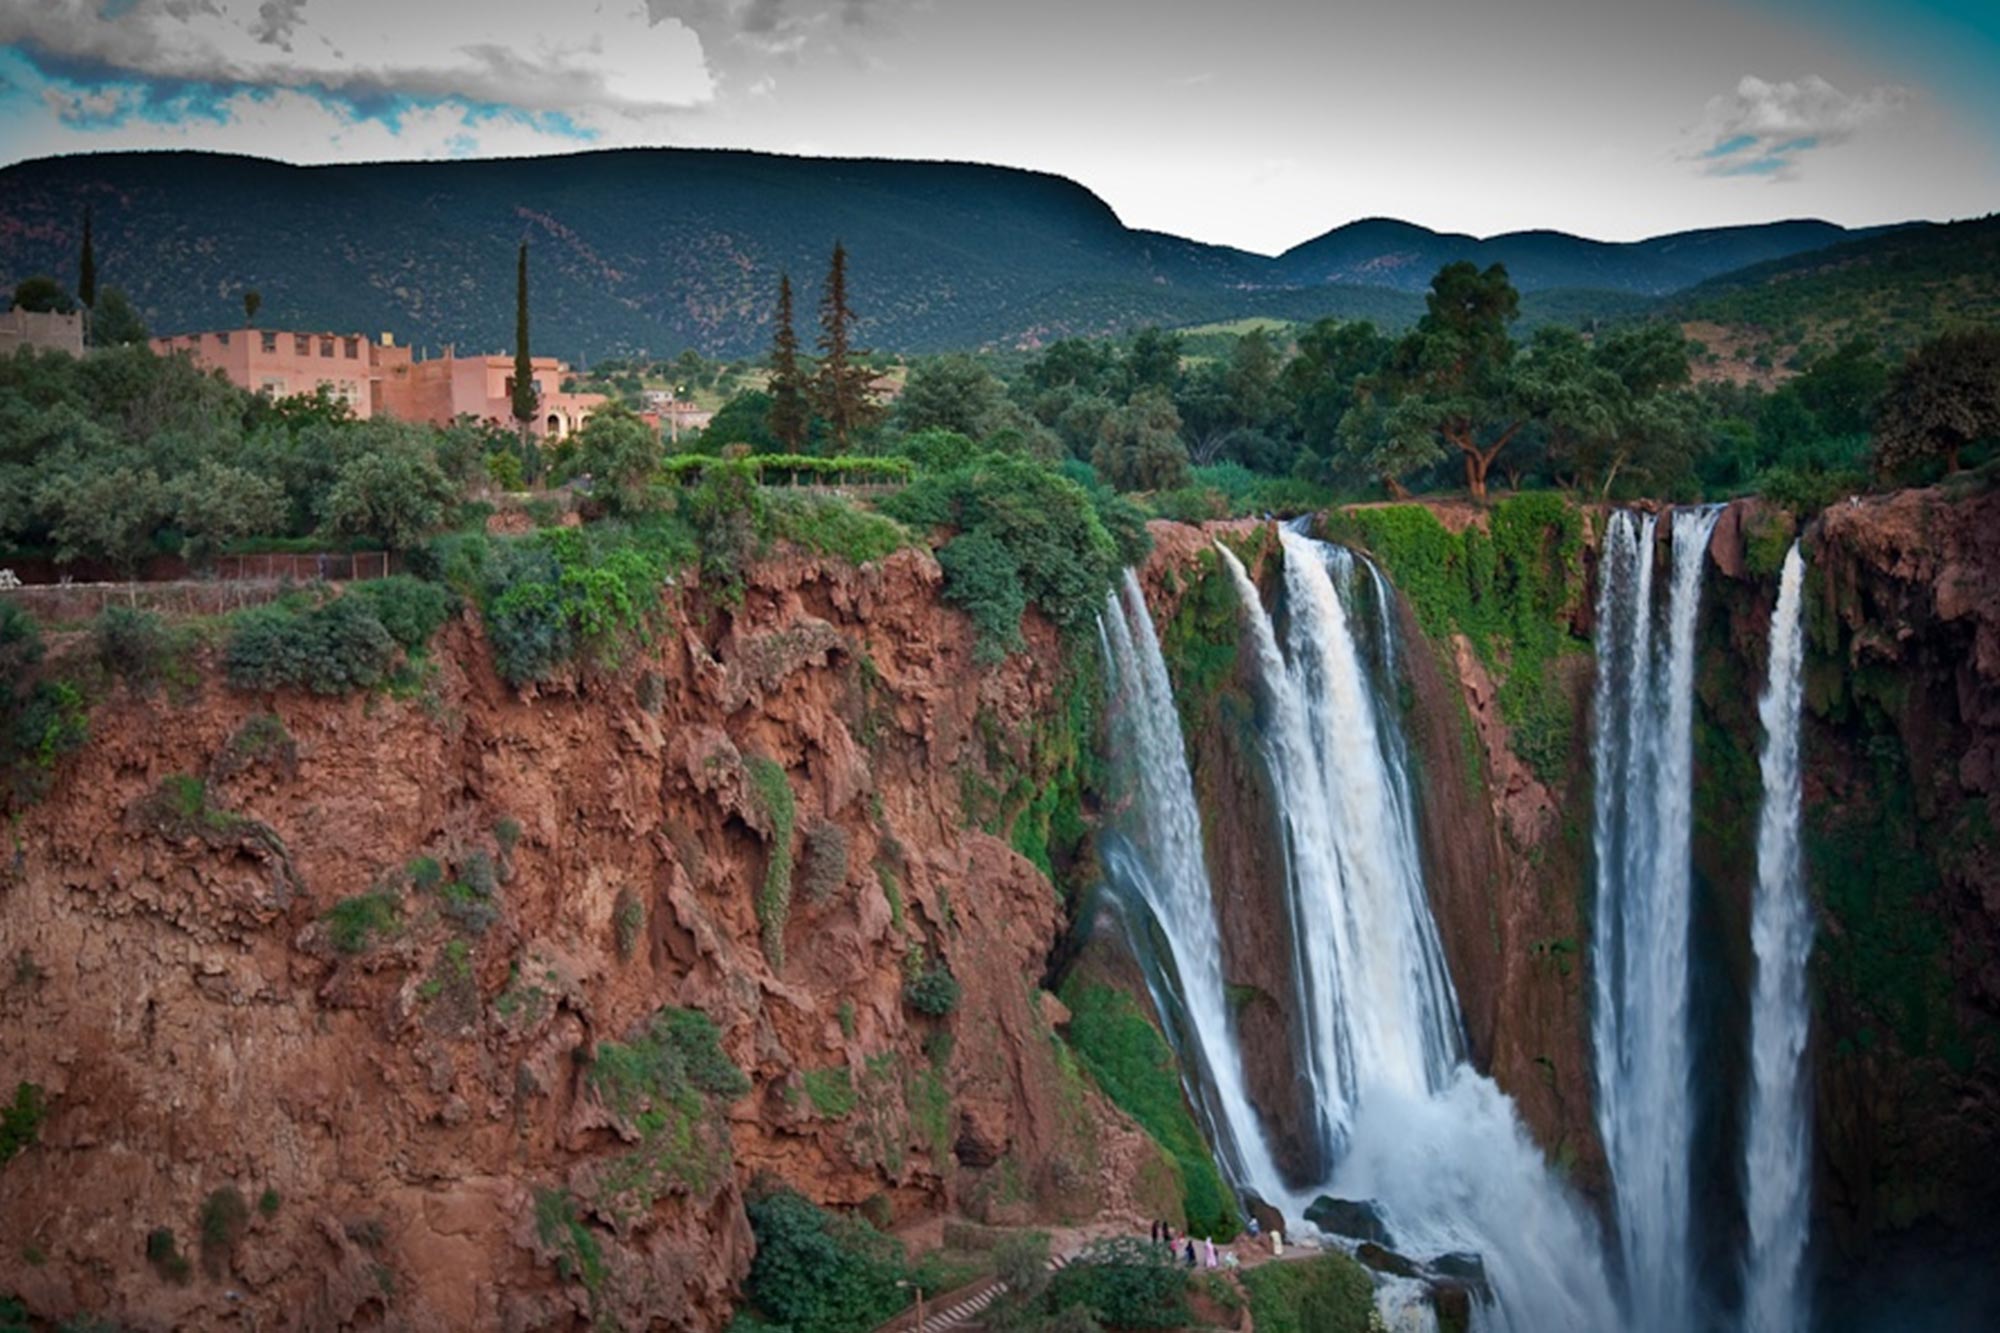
(418, 1117)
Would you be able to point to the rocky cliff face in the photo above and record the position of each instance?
(1902, 807)
(350, 1012)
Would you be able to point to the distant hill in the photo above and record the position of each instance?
(655, 250)
(1898, 288)
(1382, 252)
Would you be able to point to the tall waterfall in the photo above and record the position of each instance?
(1436, 1145)
(1169, 873)
(1776, 1169)
(1643, 757)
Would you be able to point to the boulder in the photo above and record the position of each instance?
(1354, 1219)
(1386, 1260)
(1268, 1219)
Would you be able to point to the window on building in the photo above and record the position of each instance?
(270, 341)
(272, 387)
(353, 348)
(301, 344)
(222, 338)
(326, 347)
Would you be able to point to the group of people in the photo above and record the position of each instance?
(1163, 1234)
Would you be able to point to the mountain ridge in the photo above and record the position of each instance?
(658, 249)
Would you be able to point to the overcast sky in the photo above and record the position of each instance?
(1257, 123)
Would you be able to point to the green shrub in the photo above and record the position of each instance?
(831, 526)
(163, 1252)
(831, 1091)
(21, 1120)
(825, 868)
(261, 739)
(982, 579)
(469, 901)
(1126, 1283)
(1328, 1293)
(410, 609)
(268, 1202)
(579, 1258)
(931, 990)
(773, 792)
(818, 1273)
(224, 1215)
(561, 593)
(353, 923)
(731, 522)
(133, 645)
(1134, 1065)
(331, 648)
(673, 1052)
(37, 729)
(1065, 543)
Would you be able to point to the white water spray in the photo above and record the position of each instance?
(1435, 1145)
(1169, 872)
(1643, 756)
(1776, 1167)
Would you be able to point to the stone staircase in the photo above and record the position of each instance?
(963, 1307)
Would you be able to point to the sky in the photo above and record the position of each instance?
(1255, 123)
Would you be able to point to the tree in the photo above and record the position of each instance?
(1844, 388)
(111, 513)
(1944, 397)
(952, 392)
(1320, 384)
(1153, 361)
(789, 417)
(522, 393)
(114, 323)
(86, 267)
(619, 452)
(843, 391)
(253, 301)
(1452, 375)
(216, 504)
(1141, 448)
(744, 419)
(394, 493)
(42, 294)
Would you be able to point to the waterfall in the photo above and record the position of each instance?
(1776, 1169)
(1167, 870)
(1438, 1147)
(1643, 759)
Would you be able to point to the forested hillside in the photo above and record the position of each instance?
(658, 250)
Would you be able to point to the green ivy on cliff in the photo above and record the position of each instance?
(1508, 587)
(1135, 1067)
(773, 792)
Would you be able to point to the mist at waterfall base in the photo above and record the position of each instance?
(1410, 1125)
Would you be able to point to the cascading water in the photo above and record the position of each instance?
(1434, 1144)
(1643, 757)
(1776, 1169)
(1166, 869)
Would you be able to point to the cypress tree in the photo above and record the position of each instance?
(524, 370)
(86, 267)
(842, 391)
(789, 417)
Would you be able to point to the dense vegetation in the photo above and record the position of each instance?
(1132, 1062)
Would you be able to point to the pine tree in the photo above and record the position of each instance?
(843, 392)
(86, 268)
(524, 370)
(790, 416)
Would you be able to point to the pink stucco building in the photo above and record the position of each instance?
(378, 378)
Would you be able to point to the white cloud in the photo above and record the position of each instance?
(604, 57)
(1763, 127)
(294, 126)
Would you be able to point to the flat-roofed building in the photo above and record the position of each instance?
(50, 330)
(379, 378)
(280, 363)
